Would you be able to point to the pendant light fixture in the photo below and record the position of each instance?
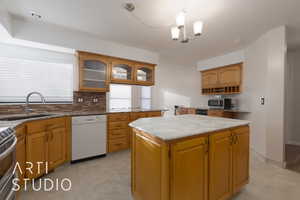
(180, 29)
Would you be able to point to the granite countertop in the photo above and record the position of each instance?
(12, 124)
(181, 126)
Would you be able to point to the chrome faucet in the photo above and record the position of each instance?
(27, 109)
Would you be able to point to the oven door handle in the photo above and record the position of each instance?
(10, 149)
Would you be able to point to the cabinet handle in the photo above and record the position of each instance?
(231, 139)
(206, 145)
(236, 139)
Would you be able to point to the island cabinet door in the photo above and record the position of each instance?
(189, 169)
(220, 166)
(240, 158)
(150, 169)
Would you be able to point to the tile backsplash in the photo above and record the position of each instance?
(82, 102)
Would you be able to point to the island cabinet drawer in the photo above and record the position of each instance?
(118, 144)
(118, 117)
(240, 130)
(117, 133)
(117, 125)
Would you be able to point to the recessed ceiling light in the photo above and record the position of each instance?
(35, 15)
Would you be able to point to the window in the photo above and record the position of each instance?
(120, 96)
(19, 76)
(129, 96)
(145, 97)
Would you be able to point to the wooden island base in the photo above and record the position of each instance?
(210, 166)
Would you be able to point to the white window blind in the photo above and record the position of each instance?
(146, 97)
(120, 96)
(19, 76)
(130, 96)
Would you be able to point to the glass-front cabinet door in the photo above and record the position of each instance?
(93, 73)
(122, 72)
(144, 74)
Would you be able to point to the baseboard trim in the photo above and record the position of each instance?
(267, 160)
(293, 143)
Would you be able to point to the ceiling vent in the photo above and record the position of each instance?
(129, 7)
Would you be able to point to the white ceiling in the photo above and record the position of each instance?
(229, 24)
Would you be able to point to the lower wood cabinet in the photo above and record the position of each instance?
(21, 151)
(210, 167)
(229, 162)
(221, 113)
(189, 170)
(119, 133)
(36, 152)
(46, 145)
(220, 161)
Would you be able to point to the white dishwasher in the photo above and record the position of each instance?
(88, 137)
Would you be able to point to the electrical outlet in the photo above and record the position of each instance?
(95, 100)
(80, 100)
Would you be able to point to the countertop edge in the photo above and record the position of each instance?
(13, 124)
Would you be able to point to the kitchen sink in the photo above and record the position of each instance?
(20, 117)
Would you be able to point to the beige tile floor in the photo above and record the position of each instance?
(109, 179)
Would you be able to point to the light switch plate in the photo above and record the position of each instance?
(262, 100)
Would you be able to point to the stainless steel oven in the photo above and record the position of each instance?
(8, 143)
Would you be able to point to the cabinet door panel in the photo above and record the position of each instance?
(240, 160)
(93, 72)
(220, 162)
(36, 152)
(21, 157)
(144, 74)
(230, 76)
(209, 79)
(57, 147)
(189, 168)
(148, 169)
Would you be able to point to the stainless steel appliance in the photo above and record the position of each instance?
(200, 111)
(8, 142)
(220, 103)
(88, 137)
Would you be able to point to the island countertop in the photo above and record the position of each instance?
(181, 126)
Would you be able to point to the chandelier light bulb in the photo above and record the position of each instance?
(180, 19)
(198, 28)
(175, 33)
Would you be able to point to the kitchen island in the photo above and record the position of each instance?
(189, 157)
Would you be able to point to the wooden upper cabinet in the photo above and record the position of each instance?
(144, 74)
(222, 80)
(209, 79)
(122, 71)
(230, 76)
(189, 168)
(93, 72)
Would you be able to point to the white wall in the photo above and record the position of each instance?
(56, 35)
(5, 24)
(293, 97)
(177, 85)
(231, 58)
(263, 76)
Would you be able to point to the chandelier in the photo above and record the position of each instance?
(179, 31)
